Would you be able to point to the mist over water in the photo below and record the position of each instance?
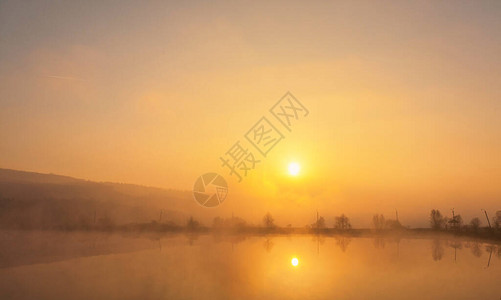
(90, 265)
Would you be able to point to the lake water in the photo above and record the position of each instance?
(44, 265)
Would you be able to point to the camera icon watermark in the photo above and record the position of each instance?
(210, 189)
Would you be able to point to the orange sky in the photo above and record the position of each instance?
(404, 99)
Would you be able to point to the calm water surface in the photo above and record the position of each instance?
(116, 266)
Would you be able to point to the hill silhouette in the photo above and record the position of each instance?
(31, 200)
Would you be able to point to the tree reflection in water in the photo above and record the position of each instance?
(342, 242)
(437, 249)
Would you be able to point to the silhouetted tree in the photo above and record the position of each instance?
(268, 221)
(475, 224)
(437, 221)
(378, 222)
(342, 222)
(320, 223)
(497, 220)
(192, 223)
(218, 222)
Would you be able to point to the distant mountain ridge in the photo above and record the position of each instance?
(9, 175)
(30, 200)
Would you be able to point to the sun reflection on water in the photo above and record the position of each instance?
(294, 261)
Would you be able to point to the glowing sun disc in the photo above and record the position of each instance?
(294, 262)
(294, 168)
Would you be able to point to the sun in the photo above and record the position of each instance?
(294, 262)
(294, 168)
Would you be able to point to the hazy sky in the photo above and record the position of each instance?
(404, 98)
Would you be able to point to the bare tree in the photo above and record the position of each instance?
(342, 222)
(437, 221)
(497, 220)
(320, 223)
(379, 222)
(268, 221)
(475, 224)
(192, 223)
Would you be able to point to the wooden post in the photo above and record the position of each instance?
(317, 221)
(488, 221)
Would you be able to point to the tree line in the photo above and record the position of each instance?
(455, 222)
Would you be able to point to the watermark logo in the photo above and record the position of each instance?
(210, 189)
(245, 154)
(288, 109)
(263, 136)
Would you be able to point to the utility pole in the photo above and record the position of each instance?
(160, 219)
(396, 214)
(488, 222)
(454, 224)
(317, 221)
(318, 236)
